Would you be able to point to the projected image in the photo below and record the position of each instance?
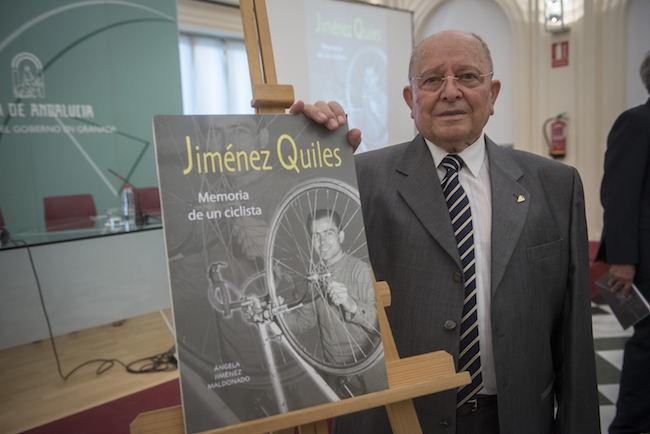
(366, 99)
(348, 63)
(354, 53)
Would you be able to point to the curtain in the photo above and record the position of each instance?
(214, 75)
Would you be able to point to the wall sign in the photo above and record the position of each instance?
(559, 54)
(79, 84)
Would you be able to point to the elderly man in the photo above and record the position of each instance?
(485, 250)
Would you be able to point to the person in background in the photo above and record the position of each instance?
(485, 251)
(625, 245)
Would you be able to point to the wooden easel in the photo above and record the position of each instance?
(407, 378)
(268, 95)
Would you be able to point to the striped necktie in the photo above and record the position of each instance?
(469, 352)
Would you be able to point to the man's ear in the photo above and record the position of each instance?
(341, 237)
(495, 87)
(407, 93)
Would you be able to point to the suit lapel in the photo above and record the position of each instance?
(420, 188)
(508, 210)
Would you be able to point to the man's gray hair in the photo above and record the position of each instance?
(418, 51)
(645, 71)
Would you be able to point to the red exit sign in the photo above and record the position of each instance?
(559, 54)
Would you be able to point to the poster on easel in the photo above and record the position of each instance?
(271, 286)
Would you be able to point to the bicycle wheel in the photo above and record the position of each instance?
(298, 279)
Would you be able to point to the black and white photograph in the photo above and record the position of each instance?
(272, 292)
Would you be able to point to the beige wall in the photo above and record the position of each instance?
(592, 89)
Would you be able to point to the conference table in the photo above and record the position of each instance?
(88, 276)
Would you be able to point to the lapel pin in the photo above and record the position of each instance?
(520, 198)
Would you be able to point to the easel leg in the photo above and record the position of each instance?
(403, 419)
(284, 431)
(319, 427)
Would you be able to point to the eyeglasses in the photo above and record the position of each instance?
(433, 82)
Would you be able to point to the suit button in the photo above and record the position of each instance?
(444, 422)
(457, 276)
(449, 325)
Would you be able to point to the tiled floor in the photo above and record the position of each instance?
(609, 341)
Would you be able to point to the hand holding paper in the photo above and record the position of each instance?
(629, 306)
(621, 277)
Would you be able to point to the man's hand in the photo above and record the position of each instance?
(621, 277)
(339, 296)
(257, 311)
(330, 114)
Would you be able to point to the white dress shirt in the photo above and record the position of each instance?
(474, 176)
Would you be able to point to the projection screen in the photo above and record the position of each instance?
(353, 53)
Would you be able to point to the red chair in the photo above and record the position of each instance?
(75, 211)
(4, 233)
(149, 201)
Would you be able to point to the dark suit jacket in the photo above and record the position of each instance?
(541, 322)
(625, 194)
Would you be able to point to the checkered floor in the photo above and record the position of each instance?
(609, 341)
